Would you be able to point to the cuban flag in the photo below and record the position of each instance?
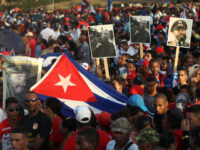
(69, 82)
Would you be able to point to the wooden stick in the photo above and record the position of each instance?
(141, 51)
(106, 68)
(176, 59)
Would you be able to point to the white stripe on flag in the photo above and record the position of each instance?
(98, 91)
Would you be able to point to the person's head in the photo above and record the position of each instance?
(182, 100)
(195, 138)
(67, 125)
(124, 45)
(53, 106)
(118, 84)
(82, 38)
(151, 84)
(83, 115)
(121, 61)
(87, 139)
(193, 115)
(131, 66)
(161, 104)
(141, 123)
(19, 138)
(148, 55)
(182, 76)
(32, 102)
(147, 139)
(154, 66)
(16, 79)
(179, 30)
(137, 100)
(188, 60)
(172, 119)
(168, 141)
(121, 129)
(12, 108)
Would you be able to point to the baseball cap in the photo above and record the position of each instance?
(82, 114)
(159, 50)
(148, 134)
(103, 118)
(29, 34)
(131, 74)
(137, 100)
(137, 89)
(182, 100)
(179, 24)
(121, 125)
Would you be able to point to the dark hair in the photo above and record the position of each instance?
(31, 92)
(166, 139)
(193, 109)
(153, 61)
(69, 123)
(132, 110)
(11, 100)
(56, 49)
(174, 118)
(141, 122)
(20, 129)
(163, 96)
(151, 78)
(183, 69)
(90, 135)
(54, 104)
(195, 133)
(117, 115)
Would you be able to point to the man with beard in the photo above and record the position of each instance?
(178, 30)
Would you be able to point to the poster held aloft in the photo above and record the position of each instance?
(19, 74)
(102, 43)
(179, 35)
(140, 31)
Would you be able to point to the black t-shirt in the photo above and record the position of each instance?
(38, 125)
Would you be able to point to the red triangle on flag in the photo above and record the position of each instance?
(65, 82)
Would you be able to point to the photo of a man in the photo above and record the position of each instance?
(140, 29)
(179, 32)
(102, 41)
(18, 77)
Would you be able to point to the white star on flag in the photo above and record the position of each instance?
(65, 82)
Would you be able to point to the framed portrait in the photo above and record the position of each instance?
(179, 32)
(102, 41)
(140, 29)
(19, 74)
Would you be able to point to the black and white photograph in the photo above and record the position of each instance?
(140, 29)
(19, 75)
(102, 41)
(179, 33)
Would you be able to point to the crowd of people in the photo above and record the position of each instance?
(163, 107)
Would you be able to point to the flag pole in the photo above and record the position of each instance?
(106, 68)
(141, 51)
(176, 59)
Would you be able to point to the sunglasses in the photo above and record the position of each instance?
(31, 100)
(12, 109)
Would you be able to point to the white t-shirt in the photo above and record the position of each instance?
(46, 33)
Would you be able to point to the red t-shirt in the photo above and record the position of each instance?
(70, 143)
(55, 135)
(32, 43)
(5, 127)
(178, 134)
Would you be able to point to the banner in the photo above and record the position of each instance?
(19, 74)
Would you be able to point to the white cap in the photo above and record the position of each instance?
(30, 34)
(82, 114)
